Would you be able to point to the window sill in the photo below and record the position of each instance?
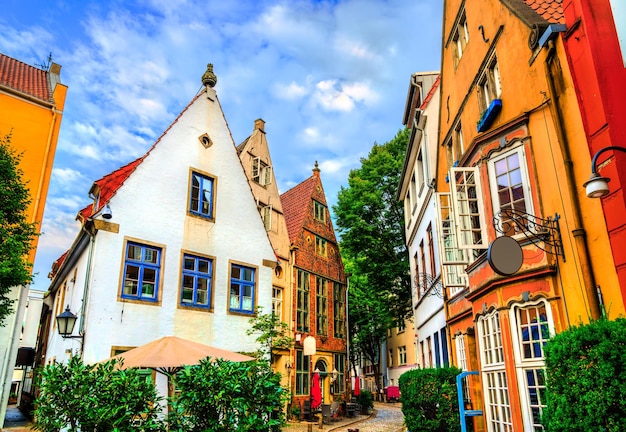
(490, 115)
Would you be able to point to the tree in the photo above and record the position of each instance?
(17, 235)
(273, 334)
(100, 397)
(370, 222)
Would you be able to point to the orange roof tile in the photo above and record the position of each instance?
(24, 78)
(430, 94)
(550, 10)
(56, 265)
(295, 205)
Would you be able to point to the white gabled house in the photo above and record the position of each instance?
(172, 245)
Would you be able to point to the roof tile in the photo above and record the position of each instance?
(550, 10)
(295, 205)
(24, 78)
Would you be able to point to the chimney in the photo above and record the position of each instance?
(259, 124)
(54, 72)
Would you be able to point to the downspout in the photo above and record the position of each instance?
(45, 159)
(81, 328)
(579, 234)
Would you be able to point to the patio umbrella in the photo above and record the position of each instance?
(316, 392)
(170, 353)
(357, 386)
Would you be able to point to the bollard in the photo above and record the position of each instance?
(310, 427)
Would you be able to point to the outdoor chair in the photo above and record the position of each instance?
(326, 414)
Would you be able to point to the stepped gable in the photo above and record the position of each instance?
(24, 78)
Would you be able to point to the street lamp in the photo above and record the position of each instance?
(65, 324)
(598, 186)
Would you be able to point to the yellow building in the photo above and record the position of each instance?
(511, 165)
(31, 109)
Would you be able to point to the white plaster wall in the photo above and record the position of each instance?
(151, 207)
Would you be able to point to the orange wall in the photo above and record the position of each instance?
(34, 128)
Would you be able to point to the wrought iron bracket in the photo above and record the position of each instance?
(545, 233)
(428, 285)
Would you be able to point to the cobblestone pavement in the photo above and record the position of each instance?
(387, 417)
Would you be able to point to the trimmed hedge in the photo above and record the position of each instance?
(429, 400)
(586, 378)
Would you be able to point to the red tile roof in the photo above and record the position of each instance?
(550, 10)
(296, 203)
(431, 92)
(24, 78)
(56, 265)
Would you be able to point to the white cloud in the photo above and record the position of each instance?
(290, 91)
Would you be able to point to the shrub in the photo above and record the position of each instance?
(429, 400)
(586, 376)
(366, 400)
(96, 398)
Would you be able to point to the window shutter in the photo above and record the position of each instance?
(467, 201)
(267, 217)
(267, 175)
(452, 258)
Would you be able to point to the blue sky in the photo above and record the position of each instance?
(329, 78)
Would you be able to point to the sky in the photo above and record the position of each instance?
(330, 79)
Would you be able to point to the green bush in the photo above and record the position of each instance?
(429, 400)
(586, 378)
(366, 400)
(96, 398)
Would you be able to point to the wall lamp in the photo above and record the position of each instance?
(65, 324)
(105, 212)
(598, 186)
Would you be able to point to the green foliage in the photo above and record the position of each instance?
(273, 333)
(370, 221)
(429, 400)
(586, 376)
(365, 399)
(96, 398)
(223, 396)
(16, 234)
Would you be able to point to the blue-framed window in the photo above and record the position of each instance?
(197, 279)
(242, 289)
(201, 195)
(142, 266)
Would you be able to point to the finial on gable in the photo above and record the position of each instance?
(209, 79)
(316, 169)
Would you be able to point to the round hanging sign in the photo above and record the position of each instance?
(505, 255)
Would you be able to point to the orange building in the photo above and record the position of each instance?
(31, 109)
(510, 167)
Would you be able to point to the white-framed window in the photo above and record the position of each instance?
(460, 38)
(510, 186)
(402, 355)
(266, 215)
(319, 211)
(469, 213)
(277, 302)
(495, 384)
(461, 353)
(390, 357)
(452, 258)
(261, 172)
(531, 327)
(489, 87)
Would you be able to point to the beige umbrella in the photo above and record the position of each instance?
(170, 353)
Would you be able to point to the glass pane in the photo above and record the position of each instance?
(203, 266)
(189, 263)
(149, 275)
(235, 272)
(516, 176)
(152, 256)
(147, 290)
(134, 252)
(248, 274)
(130, 287)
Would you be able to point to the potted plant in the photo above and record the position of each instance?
(366, 400)
(295, 412)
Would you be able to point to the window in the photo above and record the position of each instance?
(390, 357)
(419, 168)
(266, 215)
(495, 385)
(444, 347)
(460, 37)
(489, 85)
(201, 195)
(302, 301)
(401, 327)
(429, 351)
(319, 211)
(531, 326)
(423, 353)
(242, 288)
(321, 287)
(461, 354)
(321, 246)
(261, 172)
(452, 258)
(196, 289)
(339, 310)
(510, 187)
(277, 302)
(437, 349)
(468, 207)
(302, 373)
(402, 355)
(142, 266)
(431, 250)
(340, 367)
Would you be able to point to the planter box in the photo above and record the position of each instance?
(490, 115)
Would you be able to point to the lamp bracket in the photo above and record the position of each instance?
(428, 285)
(545, 233)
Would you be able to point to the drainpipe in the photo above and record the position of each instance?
(579, 234)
